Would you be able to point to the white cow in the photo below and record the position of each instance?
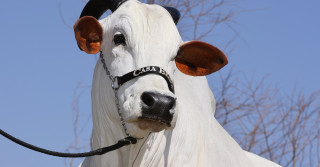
(173, 127)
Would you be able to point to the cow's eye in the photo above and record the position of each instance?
(119, 39)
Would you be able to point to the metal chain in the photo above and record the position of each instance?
(105, 67)
(115, 88)
(119, 112)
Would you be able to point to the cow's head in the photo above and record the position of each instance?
(134, 36)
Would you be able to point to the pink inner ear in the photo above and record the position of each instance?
(198, 58)
(88, 33)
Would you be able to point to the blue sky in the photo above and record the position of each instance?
(280, 39)
(41, 65)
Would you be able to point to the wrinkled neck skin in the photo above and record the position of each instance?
(196, 140)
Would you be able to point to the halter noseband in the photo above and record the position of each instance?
(118, 81)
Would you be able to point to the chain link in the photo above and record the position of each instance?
(115, 88)
(119, 112)
(105, 67)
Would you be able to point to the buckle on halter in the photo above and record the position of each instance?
(115, 85)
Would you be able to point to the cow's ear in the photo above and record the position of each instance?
(198, 58)
(88, 33)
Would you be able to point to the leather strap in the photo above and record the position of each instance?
(120, 80)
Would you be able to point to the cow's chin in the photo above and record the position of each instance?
(152, 125)
(141, 128)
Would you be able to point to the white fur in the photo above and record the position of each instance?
(197, 139)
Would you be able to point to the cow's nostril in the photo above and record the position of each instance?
(172, 103)
(157, 107)
(147, 99)
(157, 102)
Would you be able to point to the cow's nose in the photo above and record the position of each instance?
(156, 106)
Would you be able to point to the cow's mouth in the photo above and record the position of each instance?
(154, 124)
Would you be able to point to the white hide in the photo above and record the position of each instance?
(197, 139)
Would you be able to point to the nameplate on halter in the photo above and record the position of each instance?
(144, 71)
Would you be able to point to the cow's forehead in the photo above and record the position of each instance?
(152, 37)
(144, 23)
(151, 19)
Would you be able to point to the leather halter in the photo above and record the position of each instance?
(120, 80)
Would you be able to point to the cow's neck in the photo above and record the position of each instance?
(197, 139)
(153, 150)
(146, 152)
(107, 130)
